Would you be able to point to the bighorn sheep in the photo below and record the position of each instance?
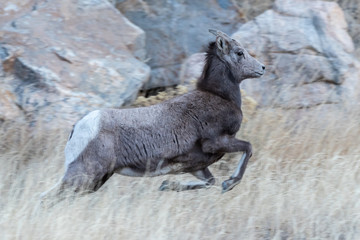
(183, 135)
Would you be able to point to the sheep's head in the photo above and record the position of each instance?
(240, 62)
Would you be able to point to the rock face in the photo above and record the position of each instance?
(351, 8)
(352, 13)
(176, 29)
(62, 59)
(307, 52)
(192, 68)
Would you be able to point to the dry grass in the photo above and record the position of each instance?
(302, 183)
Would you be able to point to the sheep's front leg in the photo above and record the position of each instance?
(227, 144)
(235, 179)
(207, 179)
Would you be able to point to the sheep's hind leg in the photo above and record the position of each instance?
(207, 179)
(77, 181)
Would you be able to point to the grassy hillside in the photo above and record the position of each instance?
(303, 182)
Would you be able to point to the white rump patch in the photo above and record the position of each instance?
(84, 131)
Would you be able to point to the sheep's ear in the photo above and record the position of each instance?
(213, 31)
(222, 41)
(223, 45)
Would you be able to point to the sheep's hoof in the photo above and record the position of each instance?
(229, 184)
(168, 186)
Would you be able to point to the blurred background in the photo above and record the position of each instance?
(61, 59)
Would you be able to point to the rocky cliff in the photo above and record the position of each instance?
(62, 59)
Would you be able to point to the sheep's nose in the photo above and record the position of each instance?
(263, 67)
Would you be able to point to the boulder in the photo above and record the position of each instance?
(175, 30)
(68, 58)
(352, 11)
(252, 8)
(9, 110)
(308, 55)
(191, 69)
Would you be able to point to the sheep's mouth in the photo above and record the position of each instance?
(259, 73)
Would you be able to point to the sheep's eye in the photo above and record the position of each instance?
(240, 54)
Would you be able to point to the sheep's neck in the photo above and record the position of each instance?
(218, 79)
